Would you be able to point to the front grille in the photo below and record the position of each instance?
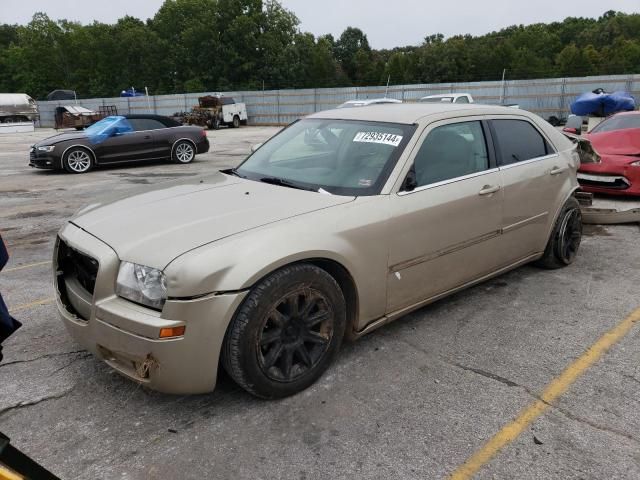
(73, 264)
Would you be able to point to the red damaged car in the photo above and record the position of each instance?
(617, 141)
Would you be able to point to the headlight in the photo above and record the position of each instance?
(635, 164)
(47, 149)
(140, 284)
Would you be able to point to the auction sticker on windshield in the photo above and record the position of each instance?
(378, 137)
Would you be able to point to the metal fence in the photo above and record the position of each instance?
(545, 97)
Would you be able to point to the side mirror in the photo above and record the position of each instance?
(255, 147)
(410, 182)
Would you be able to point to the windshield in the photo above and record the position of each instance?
(107, 127)
(618, 122)
(342, 157)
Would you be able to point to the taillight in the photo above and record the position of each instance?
(204, 133)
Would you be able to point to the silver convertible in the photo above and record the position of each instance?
(342, 222)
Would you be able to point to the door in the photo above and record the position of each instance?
(532, 176)
(443, 233)
(135, 144)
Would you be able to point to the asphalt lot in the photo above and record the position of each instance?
(412, 400)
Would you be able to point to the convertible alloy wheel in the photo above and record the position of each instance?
(569, 236)
(78, 161)
(184, 152)
(295, 335)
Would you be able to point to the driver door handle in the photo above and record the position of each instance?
(489, 189)
(147, 137)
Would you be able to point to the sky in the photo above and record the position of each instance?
(387, 23)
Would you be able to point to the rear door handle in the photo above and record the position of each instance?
(147, 137)
(557, 171)
(489, 189)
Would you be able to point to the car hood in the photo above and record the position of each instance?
(160, 223)
(616, 142)
(62, 137)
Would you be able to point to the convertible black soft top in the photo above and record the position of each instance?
(166, 121)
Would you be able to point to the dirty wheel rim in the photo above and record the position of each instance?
(295, 335)
(79, 161)
(570, 236)
(184, 153)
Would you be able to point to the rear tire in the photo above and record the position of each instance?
(566, 235)
(286, 333)
(183, 152)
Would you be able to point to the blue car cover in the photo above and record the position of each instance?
(603, 104)
(106, 128)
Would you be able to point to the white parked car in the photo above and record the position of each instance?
(367, 102)
(448, 98)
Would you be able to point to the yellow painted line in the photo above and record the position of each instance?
(6, 474)
(555, 389)
(22, 267)
(24, 306)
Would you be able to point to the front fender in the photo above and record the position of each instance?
(353, 235)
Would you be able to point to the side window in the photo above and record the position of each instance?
(462, 100)
(141, 124)
(451, 151)
(517, 141)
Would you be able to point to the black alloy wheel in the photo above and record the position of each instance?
(286, 332)
(569, 236)
(564, 242)
(295, 335)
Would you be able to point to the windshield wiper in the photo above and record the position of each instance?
(232, 171)
(286, 183)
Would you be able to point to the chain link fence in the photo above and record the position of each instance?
(545, 97)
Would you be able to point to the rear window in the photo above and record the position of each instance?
(517, 141)
(619, 122)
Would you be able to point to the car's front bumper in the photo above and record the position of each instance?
(611, 179)
(126, 335)
(43, 160)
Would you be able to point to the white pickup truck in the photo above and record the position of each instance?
(448, 98)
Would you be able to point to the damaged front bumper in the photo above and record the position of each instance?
(126, 335)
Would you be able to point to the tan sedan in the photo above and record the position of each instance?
(341, 223)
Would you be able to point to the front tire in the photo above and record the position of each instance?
(286, 333)
(77, 160)
(236, 121)
(183, 152)
(566, 235)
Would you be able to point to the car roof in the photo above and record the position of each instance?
(166, 121)
(410, 113)
(369, 101)
(633, 112)
(144, 115)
